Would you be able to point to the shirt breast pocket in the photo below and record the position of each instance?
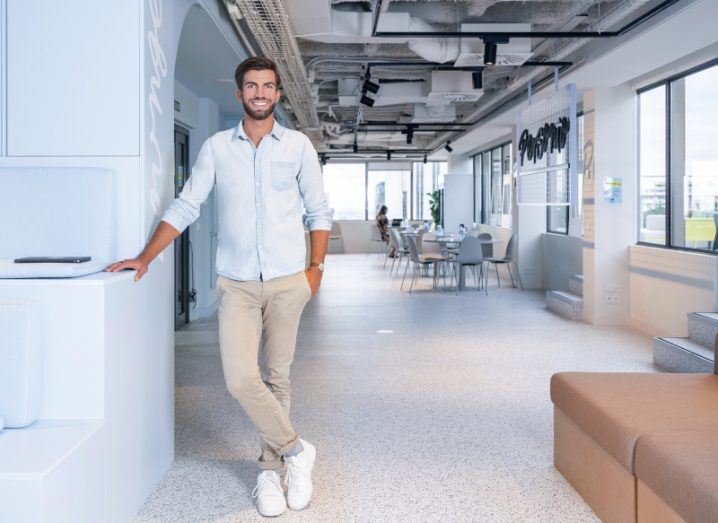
(284, 175)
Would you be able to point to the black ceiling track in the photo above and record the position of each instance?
(449, 66)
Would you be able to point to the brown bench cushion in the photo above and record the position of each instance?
(614, 409)
(681, 468)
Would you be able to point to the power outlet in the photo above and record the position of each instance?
(613, 299)
(613, 287)
(529, 270)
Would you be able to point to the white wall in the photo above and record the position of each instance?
(460, 164)
(606, 265)
(73, 88)
(458, 201)
(561, 257)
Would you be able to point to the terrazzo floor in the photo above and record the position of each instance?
(448, 418)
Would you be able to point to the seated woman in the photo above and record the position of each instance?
(382, 222)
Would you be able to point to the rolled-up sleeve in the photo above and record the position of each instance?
(318, 216)
(185, 209)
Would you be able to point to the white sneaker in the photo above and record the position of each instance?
(299, 476)
(269, 494)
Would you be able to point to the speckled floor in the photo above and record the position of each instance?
(448, 418)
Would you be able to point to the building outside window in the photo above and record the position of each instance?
(678, 161)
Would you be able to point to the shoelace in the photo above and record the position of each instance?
(292, 469)
(261, 486)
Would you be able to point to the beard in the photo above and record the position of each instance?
(259, 114)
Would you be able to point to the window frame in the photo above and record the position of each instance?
(410, 202)
(487, 188)
(666, 82)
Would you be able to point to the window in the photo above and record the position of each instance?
(356, 193)
(477, 188)
(427, 177)
(557, 216)
(390, 188)
(345, 184)
(652, 165)
(678, 161)
(492, 186)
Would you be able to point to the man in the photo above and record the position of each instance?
(263, 173)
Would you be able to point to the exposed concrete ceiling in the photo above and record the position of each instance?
(335, 42)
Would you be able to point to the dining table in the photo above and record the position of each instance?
(449, 239)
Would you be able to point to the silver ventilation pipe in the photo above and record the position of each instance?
(611, 18)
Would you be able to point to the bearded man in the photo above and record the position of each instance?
(264, 174)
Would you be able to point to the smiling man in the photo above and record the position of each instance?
(264, 175)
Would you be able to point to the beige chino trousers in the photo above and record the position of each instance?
(248, 310)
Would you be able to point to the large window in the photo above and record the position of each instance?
(356, 191)
(390, 188)
(678, 161)
(492, 186)
(345, 184)
(427, 177)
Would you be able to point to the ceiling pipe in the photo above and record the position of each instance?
(509, 96)
(530, 34)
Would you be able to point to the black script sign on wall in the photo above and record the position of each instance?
(549, 138)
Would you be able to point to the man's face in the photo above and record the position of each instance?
(259, 94)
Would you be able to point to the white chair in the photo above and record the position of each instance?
(471, 254)
(508, 259)
(419, 260)
(335, 237)
(378, 243)
(400, 250)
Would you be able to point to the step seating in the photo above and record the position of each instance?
(53, 463)
(689, 354)
(634, 445)
(568, 304)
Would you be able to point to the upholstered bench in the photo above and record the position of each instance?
(599, 418)
(677, 477)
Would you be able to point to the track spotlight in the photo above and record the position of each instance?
(448, 147)
(370, 86)
(478, 79)
(409, 136)
(490, 53)
(355, 147)
(388, 155)
(365, 100)
(323, 159)
(424, 158)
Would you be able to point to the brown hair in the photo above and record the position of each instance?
(255, 63)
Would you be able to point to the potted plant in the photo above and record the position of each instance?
(435, 206)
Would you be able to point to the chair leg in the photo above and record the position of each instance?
(498, 280)
(508, 268)
(413, 277)
(393, 261)
(518, 275)
(402, 280)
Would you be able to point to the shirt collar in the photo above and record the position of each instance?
(276, 132)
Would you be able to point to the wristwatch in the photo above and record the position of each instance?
(319, 266)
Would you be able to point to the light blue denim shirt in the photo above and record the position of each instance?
(261, 191)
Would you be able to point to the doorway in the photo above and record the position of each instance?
(182, 243)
